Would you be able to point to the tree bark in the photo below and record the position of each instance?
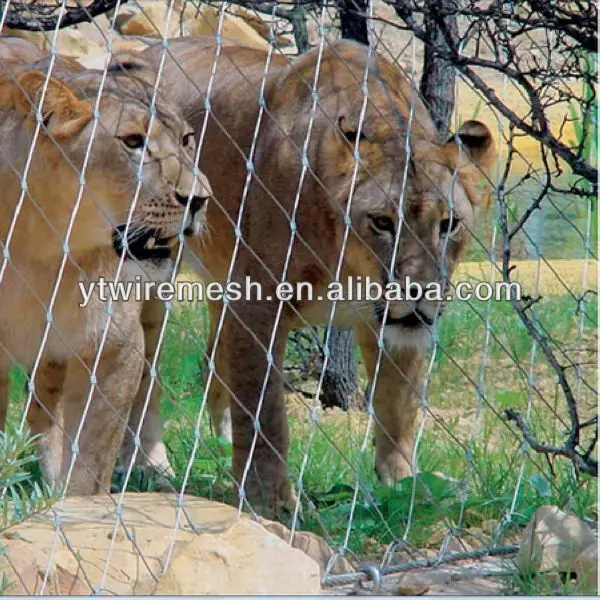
(35, 18)
(438, 78)
(339, 381)
(297, 17)
(353, 20)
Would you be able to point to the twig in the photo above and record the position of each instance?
(584, 463)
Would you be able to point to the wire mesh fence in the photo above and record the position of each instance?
(213, 216)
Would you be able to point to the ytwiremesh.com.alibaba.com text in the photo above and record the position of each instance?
(353, 289)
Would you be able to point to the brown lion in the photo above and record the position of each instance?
(410, 203)
(58, 230)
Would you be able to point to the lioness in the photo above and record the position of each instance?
(66, 217)
(410, 202)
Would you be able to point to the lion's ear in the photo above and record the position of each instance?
(349, 130)
(477, 139)
(129, 62)
(474, 165)
(63, 113)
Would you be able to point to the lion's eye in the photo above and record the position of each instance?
(133, 141)
(382, 223)
(188, 138)
(449, 226)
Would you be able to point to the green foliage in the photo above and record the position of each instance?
(23, 492)
(460, 486)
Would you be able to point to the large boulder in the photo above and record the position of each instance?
(151, 19)
(81, 546)
(330, 563)
(240, 561)
(558, 542)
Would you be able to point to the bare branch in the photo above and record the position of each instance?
(33, 17)
(584, 462)
(506, 60)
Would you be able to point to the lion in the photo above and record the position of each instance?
(63, 227)
(281, 206)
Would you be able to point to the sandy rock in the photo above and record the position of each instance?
(477, 537)
(586, 567)
(234, 28)
(457, 544)
(244, 560)
(151, 19)
(441, 538)
(489, 526)
(22, 566)
(312, 545)
(35, 37)
(92, 551)
(263, 26)
(412, 585)
(554, 540)
(98, 31)
(69, 42)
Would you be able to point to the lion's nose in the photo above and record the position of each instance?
(196, 202)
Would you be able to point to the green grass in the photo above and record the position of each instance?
(469, 474)
(462, 484)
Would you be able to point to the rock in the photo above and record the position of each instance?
(312, 545)
(477, 537)
(69, 42)
(554, 540)
(133, 45)
(34, 37)
(151, 19)
(97, 31)
(244, 560)
(457, 544)
(95, 552)
(234, 29)
(586, 567)
(412, 585)
(489, 526)
(24, 568)
(265, 28)
(441, 538)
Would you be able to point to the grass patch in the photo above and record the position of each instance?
(471, 467)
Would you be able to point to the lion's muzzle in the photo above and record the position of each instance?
(142, 243)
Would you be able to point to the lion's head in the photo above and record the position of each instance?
(133, 164)
(411, 198)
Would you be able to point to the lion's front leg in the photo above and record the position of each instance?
(102, 426)
(217, 396)
(258, 412)
(395, 398)
(152, 456)
(44, 416)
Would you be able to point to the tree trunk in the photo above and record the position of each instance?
(299, 28)
(353, 20)
(438, 78)
(339, 382)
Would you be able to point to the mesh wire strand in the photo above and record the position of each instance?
(485, 404)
